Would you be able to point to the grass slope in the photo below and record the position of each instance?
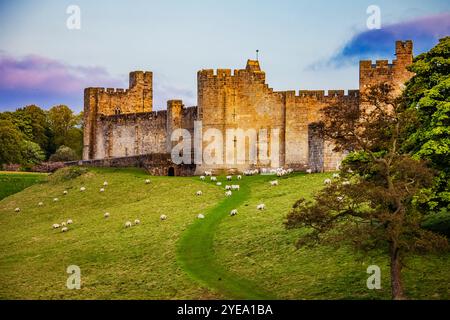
(11, 183)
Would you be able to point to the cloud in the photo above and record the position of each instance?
(44, 81)
(374, 44)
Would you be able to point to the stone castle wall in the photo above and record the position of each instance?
(120, 123)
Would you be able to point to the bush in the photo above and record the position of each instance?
(63, 154)
(67, 173)
(439, 222)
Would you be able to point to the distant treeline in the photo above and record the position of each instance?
(31, 135)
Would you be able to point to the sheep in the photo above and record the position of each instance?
(346, 183)
(289, 171)
(208, 173)
(106, 215)
(63, 224)
(213, 179)
(219, 183)
(327, 181)
(65, 192)
(228, 194)
(163, 217)
(239, 177)
(128, 224)
(229, 178)
(200, 216)
(274, 183)
(82, 189)
(336, 176)
(199, 193)
(261, 206)
(102, 190)
(55, 226)
(40, 204)
(137, 221)
(340, 199)
(147, 181)
(202, 178)
(309, 171)
(233, 212)
(227, 187)
(55, 199)
(235, 187)
(17, 210)
(105, 183)
(69, 221)
(65, 229)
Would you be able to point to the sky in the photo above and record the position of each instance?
(302, 44)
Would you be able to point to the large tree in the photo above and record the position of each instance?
(11, 141)
(66, 127)
(373, 203)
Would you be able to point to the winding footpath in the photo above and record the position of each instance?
(196, 254)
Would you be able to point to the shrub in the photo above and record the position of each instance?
(63, 154)
(439, 222)
(67, 173)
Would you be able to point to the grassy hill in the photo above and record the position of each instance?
(250, 255)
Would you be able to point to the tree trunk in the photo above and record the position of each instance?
(396, 275)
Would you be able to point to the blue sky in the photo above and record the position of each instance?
(303, 44)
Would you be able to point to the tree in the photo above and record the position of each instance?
(35, 124)
(32, 153)
(427, 95)
(373, 203)
(10, 142)
(64, 154)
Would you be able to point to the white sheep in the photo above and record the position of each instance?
(102, 189)
(228, 193)
(227, 187)
(65, 192)
(239, 177)
(128, 224)
(229, 178)
(82, 189)
(40, 204)
(163, 217)
(65, 229)
(346, 183)
(202, 178)
(17, 210)
(55, 199)
(340, 199)
(105, 183)
(147, 181)
(201, 216)
(235, 187)
(261, 206)
(106, 215)
(55, 226)
(137, 221)
(274, 183)
(327, 181)
(219, 183)
(336, 176)
(199, 193)
(213, 179)
(309, 171)
(69, 221)
(63, 224)
(208, 173)
(233, 212)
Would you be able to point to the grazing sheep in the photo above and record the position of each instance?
(235, 187)
(274, 183)
(233, 212)
(327, 181)
(65, 229)
(106, 215)
(82, 189)
(336, 175)
(229, 178)
(63, 224)
(261, 206)
(128, 224)
(55, 199)
(55, 226)
(199, 193)
(340, 199)
(309, 171)
(227, 187)
(239, 177)
(137, 221)
(201, 216)
(17, 210)
(202, 178)
(289, 171)
(105, 183)
(40, 204)
(102, 190)
(228, 193)
(65, 192)
(208, 173)
(147, 181)
(69, 221)
(219, 183)
(346, 183)
(163, 217)
(213, 179)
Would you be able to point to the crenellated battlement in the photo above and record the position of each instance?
(252, 71)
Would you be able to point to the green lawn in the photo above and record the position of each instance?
(11, 183)
(249, 256)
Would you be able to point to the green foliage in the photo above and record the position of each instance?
(428, 95)
(439, 222)
(32, 153)
(11, 143)
(67, 174)
(64, 154)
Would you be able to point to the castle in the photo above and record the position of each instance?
(121, 124)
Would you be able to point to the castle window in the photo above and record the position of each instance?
(117, 111)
